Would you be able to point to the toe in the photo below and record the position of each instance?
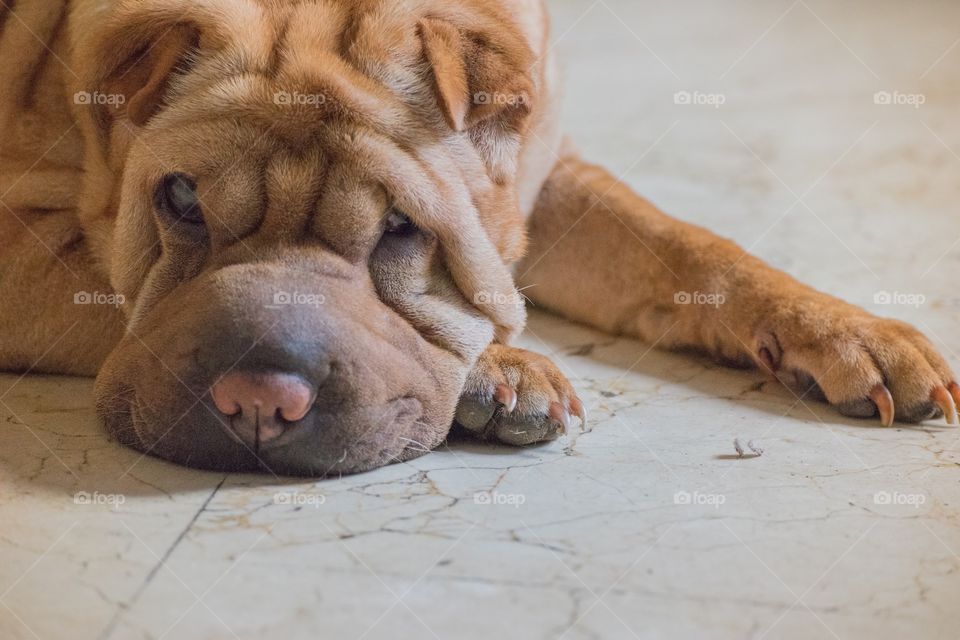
(522, 431)
(864, 408)
(474, 412)
(883, 400)
(506, 396)
(517, 397)
(942, 398)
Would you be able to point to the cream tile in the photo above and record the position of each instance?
(645, 527)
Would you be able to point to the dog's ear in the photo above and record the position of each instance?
(483, 86)
(144, 77)
(134, 68)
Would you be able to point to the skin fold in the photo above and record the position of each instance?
(340, 199)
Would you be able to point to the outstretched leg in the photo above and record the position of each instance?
(602, 255)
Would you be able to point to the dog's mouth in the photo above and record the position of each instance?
(320, 444)
(120, 413)
(234, 386)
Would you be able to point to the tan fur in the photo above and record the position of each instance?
(302, 123)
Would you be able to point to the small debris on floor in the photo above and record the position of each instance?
(753, 446)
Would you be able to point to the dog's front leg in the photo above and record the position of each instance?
(602, 255)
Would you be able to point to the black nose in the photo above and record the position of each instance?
(261, 407)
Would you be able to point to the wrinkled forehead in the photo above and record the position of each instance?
(301, 66)
(282, 99)
(298, 96)
(243, 161)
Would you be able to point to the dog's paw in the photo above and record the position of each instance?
(866, 366)
(517, 397)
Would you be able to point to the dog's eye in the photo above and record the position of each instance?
(398, 224)
(177, 197)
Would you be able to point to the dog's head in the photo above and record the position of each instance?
(312, 216)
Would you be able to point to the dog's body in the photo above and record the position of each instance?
(387, 164)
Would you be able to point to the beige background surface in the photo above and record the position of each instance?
(646, 527)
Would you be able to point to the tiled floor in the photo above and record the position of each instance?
(648, 526)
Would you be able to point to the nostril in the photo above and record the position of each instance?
(259, 395)
(225, 402)
(295, 401)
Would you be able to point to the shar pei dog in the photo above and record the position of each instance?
(290, 235)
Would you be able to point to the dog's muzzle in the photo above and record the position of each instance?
(256, 367)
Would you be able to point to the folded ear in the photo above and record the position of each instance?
(133, 69)
(483, 85)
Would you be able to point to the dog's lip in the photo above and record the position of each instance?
(395, 415)
(293, 430)
(392, 412)
(226, 423)
(122, 415)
